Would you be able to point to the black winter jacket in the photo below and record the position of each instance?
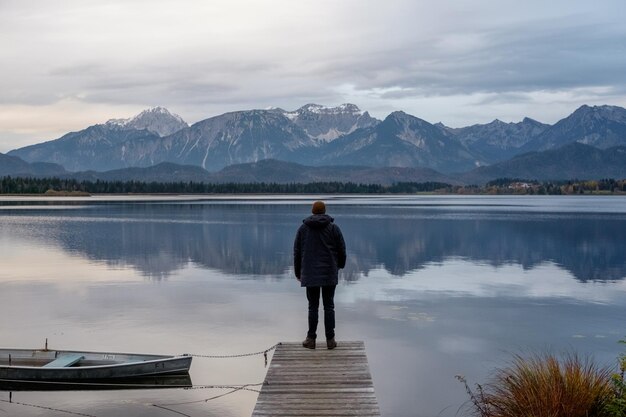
(319, 251)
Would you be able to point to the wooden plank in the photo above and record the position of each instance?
(308, 410)
(319, 382)
(322, 400)
(320, 404)
(64, 361)
(304, 391)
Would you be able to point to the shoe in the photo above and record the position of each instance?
(309, 343)
(331, 344)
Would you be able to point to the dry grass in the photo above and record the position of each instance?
(545, 386)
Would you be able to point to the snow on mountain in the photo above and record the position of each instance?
(155, 119)
(325, 124)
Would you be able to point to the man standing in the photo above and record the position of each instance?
(319, 251)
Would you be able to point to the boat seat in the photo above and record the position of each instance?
(64, 361)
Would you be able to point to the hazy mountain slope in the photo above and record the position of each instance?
(163, 172)
(574, 160)
(287, 172)
(268, 171)
(16, 167)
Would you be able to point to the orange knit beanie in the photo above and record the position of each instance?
(318, 207)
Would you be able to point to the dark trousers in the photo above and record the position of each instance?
(328, 298)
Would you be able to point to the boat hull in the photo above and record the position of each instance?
(94, 366)
(152, 382)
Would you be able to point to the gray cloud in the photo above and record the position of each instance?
(524, 58)
(460, 62)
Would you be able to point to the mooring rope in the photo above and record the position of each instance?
(235, 389)
(171, 411)
(237, 355)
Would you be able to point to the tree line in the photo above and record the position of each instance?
(27, 185)
(571, 187)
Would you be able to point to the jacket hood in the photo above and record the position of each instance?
(318, 221)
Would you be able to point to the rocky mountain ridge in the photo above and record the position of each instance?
(599, 126)
(401, 140)
(316, 135)
(328, 123)
(497, 140)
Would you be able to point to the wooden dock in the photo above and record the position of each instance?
(320, 382)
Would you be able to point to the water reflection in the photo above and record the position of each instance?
(159, 239)
(156, 382)
(436, 290)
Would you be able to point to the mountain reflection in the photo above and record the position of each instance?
(589, 247)
(240, 239)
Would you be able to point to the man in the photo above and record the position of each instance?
(319, 251)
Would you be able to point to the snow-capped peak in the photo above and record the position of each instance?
(319, 109)
(158, 110)
(158, 120)
(117, 122)
(614, 113)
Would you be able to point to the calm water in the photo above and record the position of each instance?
(435, 286)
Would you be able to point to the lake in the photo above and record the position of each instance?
(435, 285)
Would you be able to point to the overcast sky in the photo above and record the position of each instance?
(66, 65)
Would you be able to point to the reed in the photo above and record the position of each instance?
(543, 385)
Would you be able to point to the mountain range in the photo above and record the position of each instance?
(309, 143)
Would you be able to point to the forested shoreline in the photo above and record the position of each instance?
(57, 186)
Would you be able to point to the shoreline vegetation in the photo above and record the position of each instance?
(56, 187)
(545, 384)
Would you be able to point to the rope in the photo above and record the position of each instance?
(240, 355)
(47, 408)
(237, 387)
(170, 410)
(233, 390)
